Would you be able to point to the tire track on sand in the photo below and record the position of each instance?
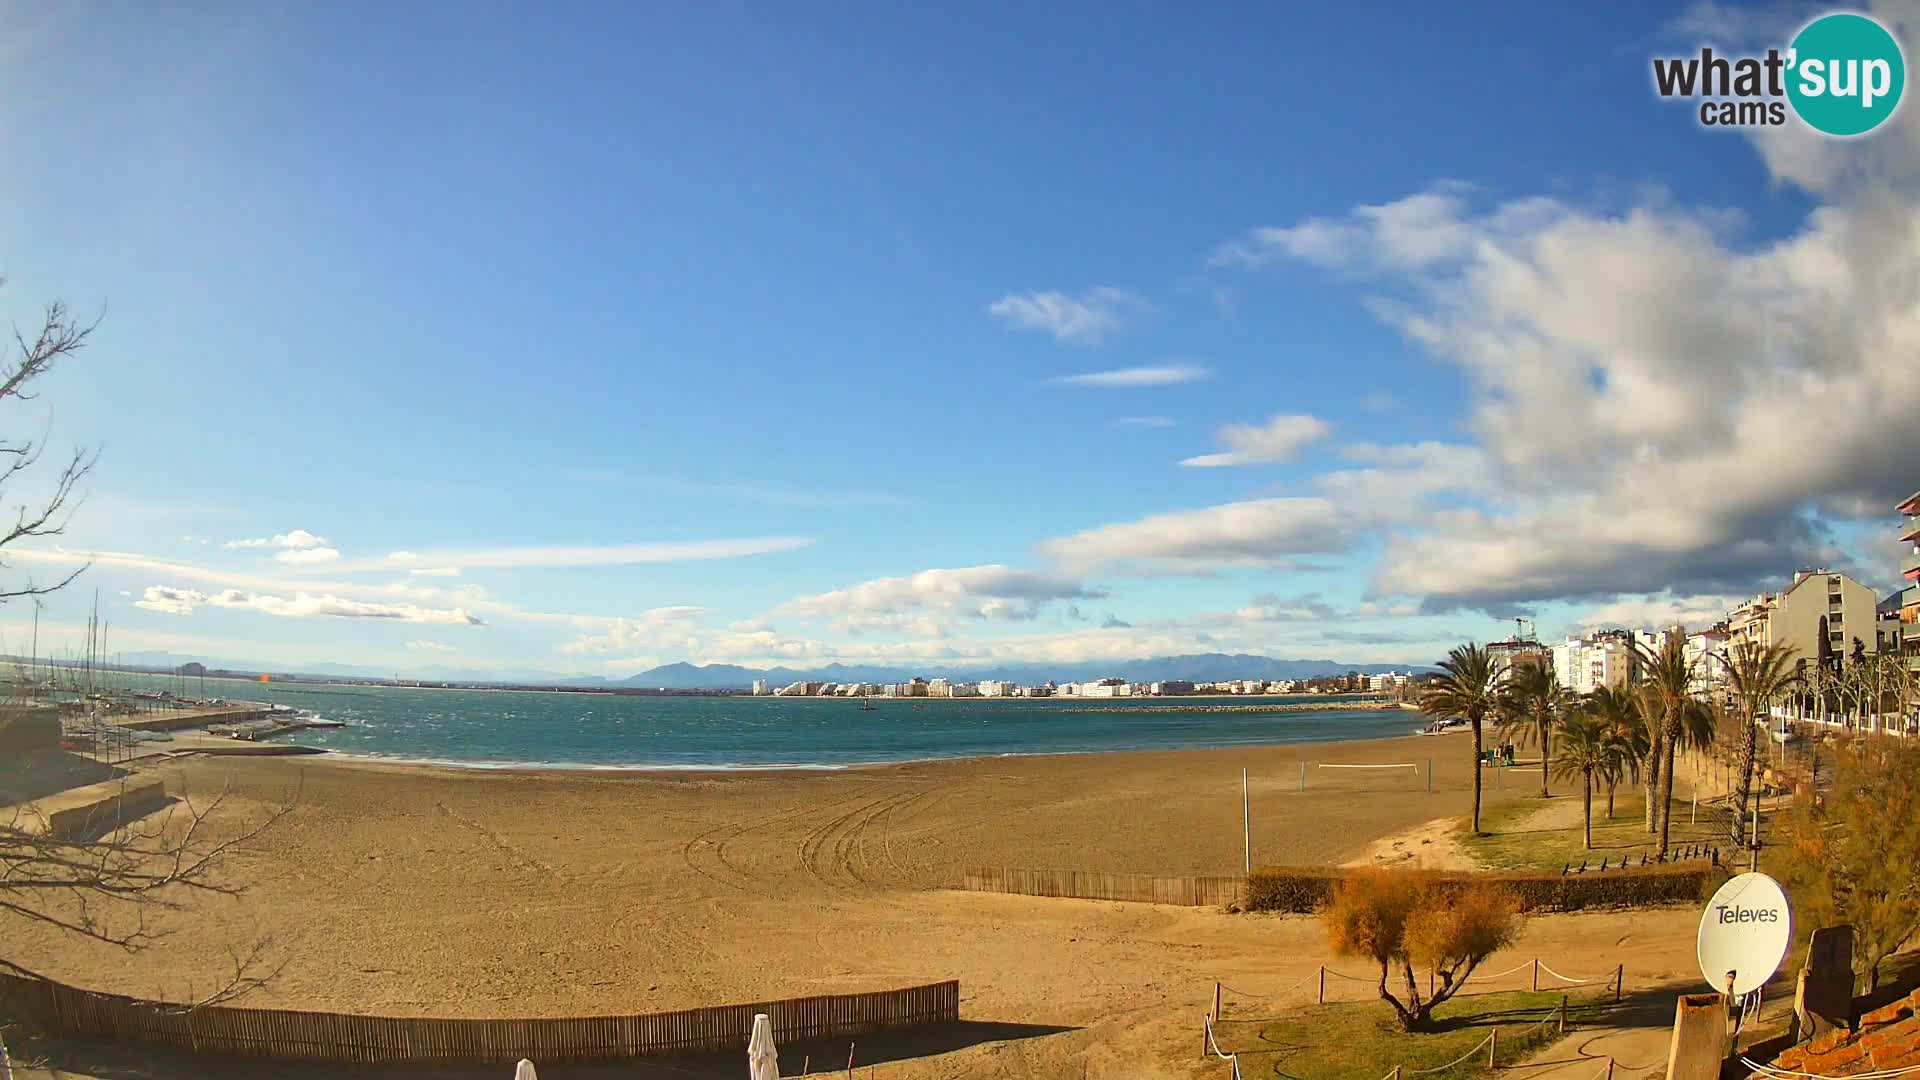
(711, 844)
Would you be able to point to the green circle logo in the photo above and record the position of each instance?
(1846, 75)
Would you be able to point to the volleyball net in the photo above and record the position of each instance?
(1376, 775)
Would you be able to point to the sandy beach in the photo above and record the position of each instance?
(444, 892)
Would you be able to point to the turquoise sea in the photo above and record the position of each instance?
(502, 728)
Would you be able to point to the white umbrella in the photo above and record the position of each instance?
(763, 1061)
(524, 1071)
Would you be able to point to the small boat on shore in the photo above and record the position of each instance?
(1446, 726)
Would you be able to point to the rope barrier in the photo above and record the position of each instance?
(1554, 1015)
(1503, 974)
(1352, 978)
(1480, 977)
(1232, 1059)
(1571, 979)
(1276, 995)
(1455, 1061)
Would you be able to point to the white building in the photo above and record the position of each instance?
(995, 688)
(759, 688)
(1585, 664)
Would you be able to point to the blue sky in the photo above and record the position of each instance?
(751, 333)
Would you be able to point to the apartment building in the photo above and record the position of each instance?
(1907, 620)
(1819, 607)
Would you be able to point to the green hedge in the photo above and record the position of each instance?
(1306, 890)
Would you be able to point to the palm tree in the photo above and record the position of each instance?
(1588, 748)
(1467, 688)
(1650, 709)
(1670, 675)
(1533, 703)
(1619, 710)
(1757, 676)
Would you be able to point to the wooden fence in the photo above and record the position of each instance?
(1089, 885)
(340, 1037)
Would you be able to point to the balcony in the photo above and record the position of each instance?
(1910, 567)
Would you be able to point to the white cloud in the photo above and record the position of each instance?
(1082, 320)
(608, 555)
(1270, 607)
(1658, 611)
(308, 605)
(308, 556)
(296, 540)
(169, 601)
(654, 628)
(1278, 440)
(429, 646)
(1655, 405)
(1260, 532)
(172, 600)
(983, 592)
(1121, 378)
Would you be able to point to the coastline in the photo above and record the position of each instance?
(471, 885)
(1341, 748)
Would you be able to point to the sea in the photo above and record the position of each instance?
(508, 728)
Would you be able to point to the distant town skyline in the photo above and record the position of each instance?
(780, 338)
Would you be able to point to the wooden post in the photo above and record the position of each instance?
(1429, 776)
(1619, 982)
(1563, 1014)
(806, 1065)
(1320, 998)
(1303, 776)
(849, 1061)
(1536, 975)
(1609, 1069)
(1493, 1046)
(1216, 1001)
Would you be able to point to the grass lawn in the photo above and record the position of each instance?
(1536, 834)
(1362, 1040)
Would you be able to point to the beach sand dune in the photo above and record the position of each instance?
(438, 892)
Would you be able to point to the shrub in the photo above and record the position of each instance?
(1307, 890)
(1414, 919)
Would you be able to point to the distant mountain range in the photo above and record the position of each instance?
(1202, 667)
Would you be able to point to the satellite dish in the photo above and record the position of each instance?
(1745, 932)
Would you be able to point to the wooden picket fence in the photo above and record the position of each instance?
(337, 1037)
(1091, 885)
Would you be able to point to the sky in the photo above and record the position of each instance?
(581, 339)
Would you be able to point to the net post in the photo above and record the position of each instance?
(1216, 1001)
(1619, 984)
(1563, 1014)
(1429, 776)
(1320, 996)
(1493, 1046)
(1303, 776)
(1536, 976)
